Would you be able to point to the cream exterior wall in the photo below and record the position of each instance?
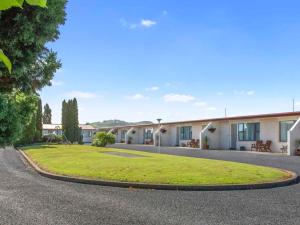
(293, 138)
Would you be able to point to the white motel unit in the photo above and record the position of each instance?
(87, 131)
(282, 130)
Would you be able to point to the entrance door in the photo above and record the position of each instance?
(233, 136)
(177, 136)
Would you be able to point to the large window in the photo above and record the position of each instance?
(249, 131)
(284, 127)
(185, 133)
(148, 134)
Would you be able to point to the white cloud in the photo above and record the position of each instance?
(154, 88)
(297, 103)
(137, 97)
(81, 94)
(144, 23)
(250, 92)
(220, 93)
(57, 83)
(200, 104)
(165, 12)
(178, 98)
(147, 23)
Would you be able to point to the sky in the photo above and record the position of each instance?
(139, 60)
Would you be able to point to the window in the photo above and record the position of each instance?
(249, 131)
(148, 134)
(123, 133)
(185, 133)
(284, 127)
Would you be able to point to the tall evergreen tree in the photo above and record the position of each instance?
(47, 116)
(77, 132)
(39, 121)
(64, 117)
(69, 120)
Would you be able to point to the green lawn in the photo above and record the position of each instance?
(93, 162)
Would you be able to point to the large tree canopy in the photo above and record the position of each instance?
(23, 36)
(14, 116)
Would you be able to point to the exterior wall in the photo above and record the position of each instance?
(87, 134)
(224, 135)
(213, 138)
(165, 138)
(131, 136)
(293, 138)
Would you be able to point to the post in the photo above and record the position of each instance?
(293, 105)
(159, 136)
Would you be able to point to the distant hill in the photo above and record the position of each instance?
(114, 123)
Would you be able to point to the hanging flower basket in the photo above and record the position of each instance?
(133, 132)
(212, 129)
(163, 130)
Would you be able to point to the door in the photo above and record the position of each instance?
(233, 136)
(177, 136)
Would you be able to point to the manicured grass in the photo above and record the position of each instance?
(92, 162)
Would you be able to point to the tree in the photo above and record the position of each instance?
(27, 65)
(47, 116)
(6, 4)
(63, 114)
(14, 116)
(39, 121)
(23, 37)
(77, 130)
(70, 124)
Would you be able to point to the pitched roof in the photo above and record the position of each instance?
(246, 117)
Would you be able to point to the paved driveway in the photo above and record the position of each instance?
(27, 198)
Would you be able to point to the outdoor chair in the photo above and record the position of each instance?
(266, 147)
(256, 146)
(284, 149)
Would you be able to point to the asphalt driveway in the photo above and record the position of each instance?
(28, 198)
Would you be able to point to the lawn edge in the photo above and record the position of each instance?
(293, 179)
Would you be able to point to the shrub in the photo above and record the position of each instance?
(53, 138)
(101, 139)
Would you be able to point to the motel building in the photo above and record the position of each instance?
(276, 133)
(87, 131)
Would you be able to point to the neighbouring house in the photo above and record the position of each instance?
(240, 132)
(87, 131)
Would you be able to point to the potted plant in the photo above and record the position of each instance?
(129, 140)
(133, 132)
(206, 145)
(298, 147)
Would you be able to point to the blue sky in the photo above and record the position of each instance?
(140, 60)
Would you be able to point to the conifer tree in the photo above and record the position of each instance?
(39, 121)
(47, 116)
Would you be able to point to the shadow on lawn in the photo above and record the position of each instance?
(38, 146)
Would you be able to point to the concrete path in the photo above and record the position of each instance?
(28, 198)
